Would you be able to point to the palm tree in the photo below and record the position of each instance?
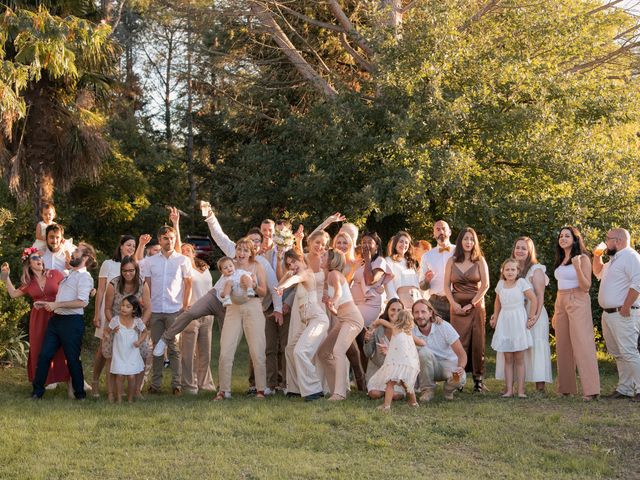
(54, 78)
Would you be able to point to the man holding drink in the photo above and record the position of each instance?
(618, 297)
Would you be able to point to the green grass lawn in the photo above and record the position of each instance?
(192, 437)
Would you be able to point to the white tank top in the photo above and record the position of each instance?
(567, 277)
(345, 297)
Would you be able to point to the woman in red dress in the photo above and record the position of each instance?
(40, 285)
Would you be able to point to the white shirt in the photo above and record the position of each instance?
(618, 275)
(55, 261)
(439, 340)
(77, 286)
(228, 247)
(403, 276)
(234, 277)
(566, 276)
(435, 261)
(166, 275)
(109, 269)
(201, 283)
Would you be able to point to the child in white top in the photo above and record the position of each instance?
(512, 323)
(128, 334)
(48, 214)
(401, 365)
(231, 284)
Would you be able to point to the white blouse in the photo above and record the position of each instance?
(403, 276)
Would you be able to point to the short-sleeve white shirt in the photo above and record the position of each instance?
(436, 261)
(439, 340)
(166, 275)
(618, 275)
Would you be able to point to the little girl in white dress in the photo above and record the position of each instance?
(401, 365)
(512, 323)
(128, 334)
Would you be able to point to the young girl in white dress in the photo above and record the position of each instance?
(401, 365)
(512, 322)
(48, 214)
(128, 334)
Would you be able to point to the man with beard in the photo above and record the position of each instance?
(56, 255)
(442, 358)
(618, 297)
(66, 326)
(432, 265)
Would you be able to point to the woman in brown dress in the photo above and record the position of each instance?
(466, 280)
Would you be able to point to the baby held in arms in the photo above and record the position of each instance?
(232, 290)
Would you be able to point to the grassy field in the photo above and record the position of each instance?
(192, 437)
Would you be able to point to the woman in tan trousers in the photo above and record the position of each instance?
(247, 317)
(333, 351)
(572, 319)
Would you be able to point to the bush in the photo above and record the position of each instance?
(13, 346)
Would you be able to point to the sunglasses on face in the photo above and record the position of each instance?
(35, 257)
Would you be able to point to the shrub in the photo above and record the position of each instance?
(13, 344)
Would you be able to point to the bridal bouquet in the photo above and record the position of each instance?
(284, 238)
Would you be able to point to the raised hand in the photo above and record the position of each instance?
(144, 239)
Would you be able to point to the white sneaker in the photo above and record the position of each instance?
(51, 386)
(268, 392)
(226, 302)
(159, 349)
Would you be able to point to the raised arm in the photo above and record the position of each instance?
(227, 245)
(336, 217)
(142, 243)
(582, 266)
(174, 217)
(4, 276)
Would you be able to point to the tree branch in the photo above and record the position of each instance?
(348, 27)
(486, 8)
(262, 13)
(360, 60)
(596, 62)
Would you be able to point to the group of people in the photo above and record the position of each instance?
(320, 314)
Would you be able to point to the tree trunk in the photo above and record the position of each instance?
(167, 92)
(189, 121)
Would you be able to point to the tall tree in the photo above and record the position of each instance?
(54, 78)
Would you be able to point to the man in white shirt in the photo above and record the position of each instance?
(432, 266)
(443, 358)
(58, 251)
(168, 275)
(618, 297)
(66, 327)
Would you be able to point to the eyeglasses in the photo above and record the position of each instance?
(611, 238)
(128, 271)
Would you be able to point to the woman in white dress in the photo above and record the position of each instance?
(405, 282)
(537, 359)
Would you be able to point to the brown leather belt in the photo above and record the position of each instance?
(617, 309)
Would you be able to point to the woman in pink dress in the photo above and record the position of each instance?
(40, 285)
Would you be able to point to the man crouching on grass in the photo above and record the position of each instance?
(66, 327)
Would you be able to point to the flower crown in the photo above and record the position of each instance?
(27, 252)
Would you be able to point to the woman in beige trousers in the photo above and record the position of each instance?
(247, 317)
(572, 319)
(333, 352)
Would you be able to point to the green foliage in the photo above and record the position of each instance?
(13, 347)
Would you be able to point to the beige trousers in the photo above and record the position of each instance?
(195, 349)
(621, 337)
(249, 318)
(332, 353)
(575, 343)
(159, 323)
